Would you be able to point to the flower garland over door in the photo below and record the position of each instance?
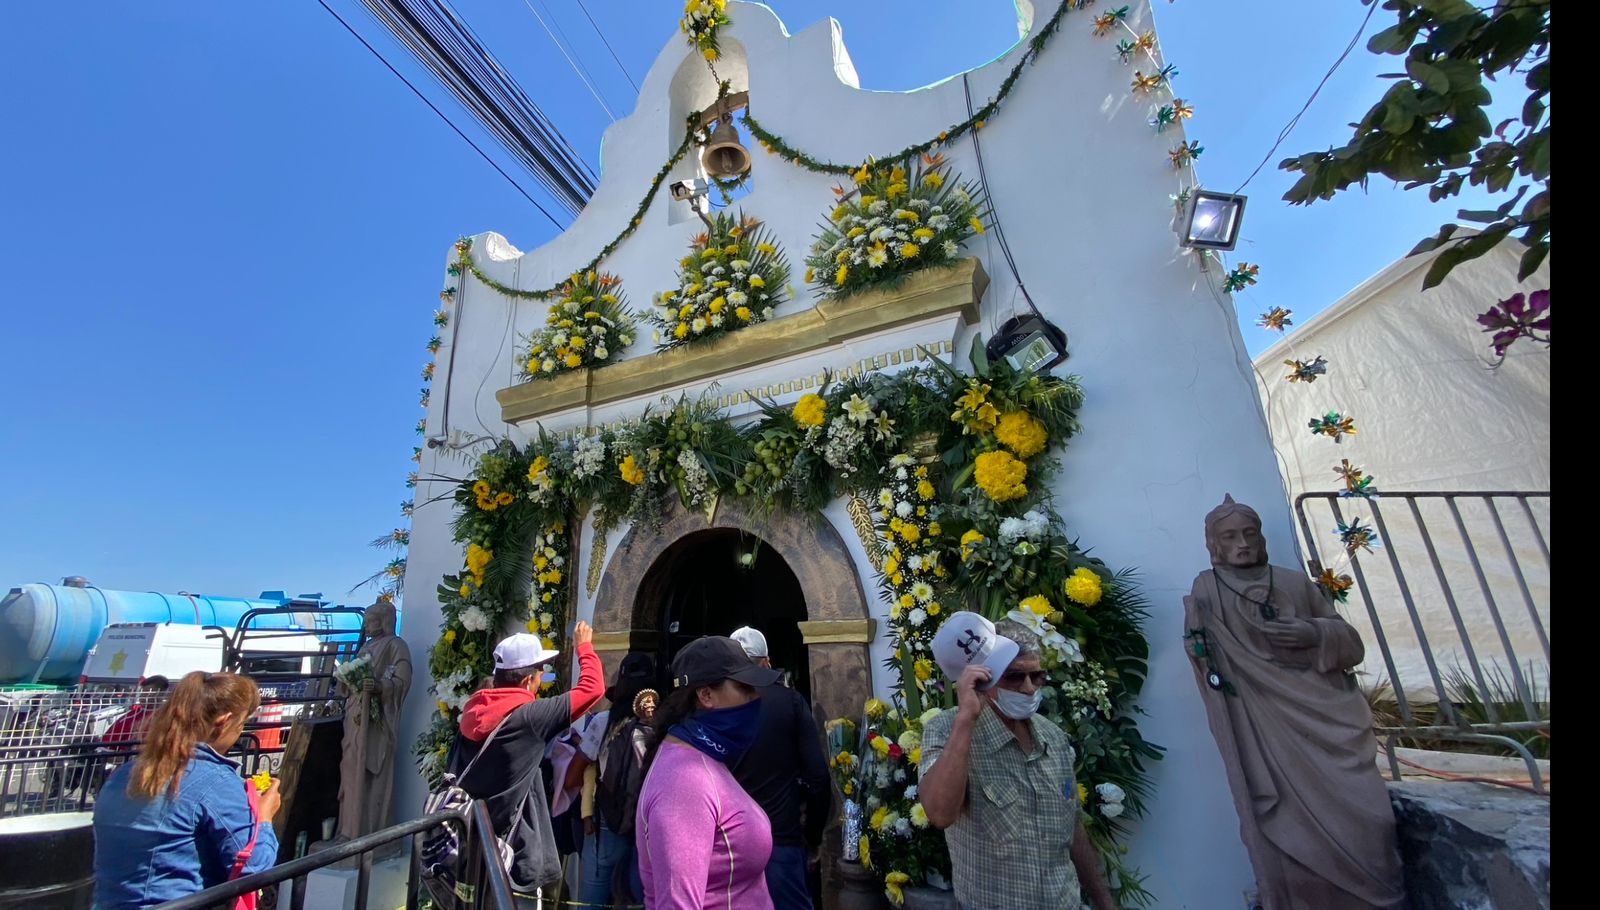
(950, 473)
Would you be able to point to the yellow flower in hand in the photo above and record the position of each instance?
(263, 781)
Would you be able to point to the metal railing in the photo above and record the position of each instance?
(1456, 597)
(483, 876)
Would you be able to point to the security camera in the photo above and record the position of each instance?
(435, 442)
(689, 190)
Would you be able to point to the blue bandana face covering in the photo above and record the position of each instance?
(722, 733)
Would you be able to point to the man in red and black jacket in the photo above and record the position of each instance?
(508, 778)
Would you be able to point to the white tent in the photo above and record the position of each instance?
(1434, 413)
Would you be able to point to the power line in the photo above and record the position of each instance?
(1295, 121)
(582, 71)
(436, 110)
(457, 58)
(625, 74)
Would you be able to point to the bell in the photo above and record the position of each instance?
(724, 158)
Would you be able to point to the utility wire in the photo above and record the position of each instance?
(498, 169)
(597, 31)
(582, 71)
(1295, 120)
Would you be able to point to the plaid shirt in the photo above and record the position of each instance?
(1009, 848)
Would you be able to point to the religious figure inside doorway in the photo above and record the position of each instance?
(372, 699)
(1271, 657)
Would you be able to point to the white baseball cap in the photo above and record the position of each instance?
(966, 638)
(751, 640)
(520, 651)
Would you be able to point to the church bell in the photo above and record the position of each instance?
(724, 158)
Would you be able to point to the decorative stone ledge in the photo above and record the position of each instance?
(837, 631)
(626, 640)
(923, 296)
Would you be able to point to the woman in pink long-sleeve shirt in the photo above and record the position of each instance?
(703, 842)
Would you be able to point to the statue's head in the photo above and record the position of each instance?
(1233, 535)
(379, 619)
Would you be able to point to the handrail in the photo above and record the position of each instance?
(299, 868)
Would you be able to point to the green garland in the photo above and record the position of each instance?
(776, 145)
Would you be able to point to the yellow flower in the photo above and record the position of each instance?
(891, 566)
(1019, 432)
(909, 251)
(478, 558)
(743, 313)
(573, 361)
(923, 234)
(631, 473)
(910, 532)
(481, 488)
(578, 343)
(880, 815)
(866, 853)
(1038, 604)
(756, 281)
(896, 190)
(924, 489)
(924, 669)
(767, 248)
(934, 529)
(838, 212)
(718, 305)
(893, 885)
(867, 201)
(875, 710)
(681, 330)
(263, 781)
(933, 179)
(841, 275)
(685, 311)
(1084, 587)
(533, 625)
(537, 469)
(444, 708)
(986, 416)
(1083, 794)
(811, 275)
(907, 601)
(862, 176)
(810, 410)
(1001, 476)
(968, 540)
(908, 215)
(977, 225)
(711, 54)
(849, 788)
(731, 249)
(916, 756)
(449, 635)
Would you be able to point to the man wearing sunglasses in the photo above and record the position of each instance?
(997, 778)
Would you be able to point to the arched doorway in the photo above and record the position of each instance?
(714, 581)
(684, 572)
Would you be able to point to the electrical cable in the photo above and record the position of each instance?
(580, 70)
(625, 74)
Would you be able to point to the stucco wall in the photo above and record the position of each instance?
(1081, 184)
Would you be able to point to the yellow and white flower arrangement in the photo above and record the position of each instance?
(733, 276)
(587, 326)
(702, 19)
(897, 218)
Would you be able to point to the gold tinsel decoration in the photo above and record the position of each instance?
(861, 516)
(597, 558)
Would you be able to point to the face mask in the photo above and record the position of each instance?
(725, 734)
(1017, 706)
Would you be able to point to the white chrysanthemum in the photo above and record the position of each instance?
(601, 353)
(1110, 793)
(716, 320)
(881, 234)
(911, 791)
(915, 562)
(740, 265)
(548, 366)
(1111, 810)
(900, 461)
(950, 248)
(474, 620)
(903, 509)
(939, 222)
(878, 207)
(738, 298)
(900, 472)
(877, 258)
(885, 498)
(698, 326)
(918, 616)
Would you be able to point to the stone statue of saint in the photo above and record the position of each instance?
(1270, 655)
(372, 725)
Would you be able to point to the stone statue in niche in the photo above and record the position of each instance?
(1271, 657)
(372, 701)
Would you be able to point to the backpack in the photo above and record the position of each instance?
(621, 778)
(441, 847)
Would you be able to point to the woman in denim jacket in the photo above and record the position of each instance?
(178, 818)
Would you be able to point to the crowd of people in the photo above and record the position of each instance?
(712, 795)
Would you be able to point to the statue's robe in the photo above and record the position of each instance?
(366, 769)
(1296, 738)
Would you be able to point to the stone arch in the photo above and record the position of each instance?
(839, 625)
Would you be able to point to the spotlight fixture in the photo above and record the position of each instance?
(1211, 221)
(1029, 342)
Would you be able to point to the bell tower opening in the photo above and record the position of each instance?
(711, 582)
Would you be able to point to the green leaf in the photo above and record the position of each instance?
(1532, 259)
(1432, 78)
(1442, 265)
(980, 358)
(1481, 216)
(1532, 110)
(1392, 40)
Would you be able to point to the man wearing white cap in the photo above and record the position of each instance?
(997, 777)
(785, 771)
(504, 731)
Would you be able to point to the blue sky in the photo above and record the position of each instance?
(224, 227)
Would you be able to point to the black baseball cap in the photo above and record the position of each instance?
(709, 660)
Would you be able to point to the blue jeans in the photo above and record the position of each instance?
(786, 878)
(600, 869)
